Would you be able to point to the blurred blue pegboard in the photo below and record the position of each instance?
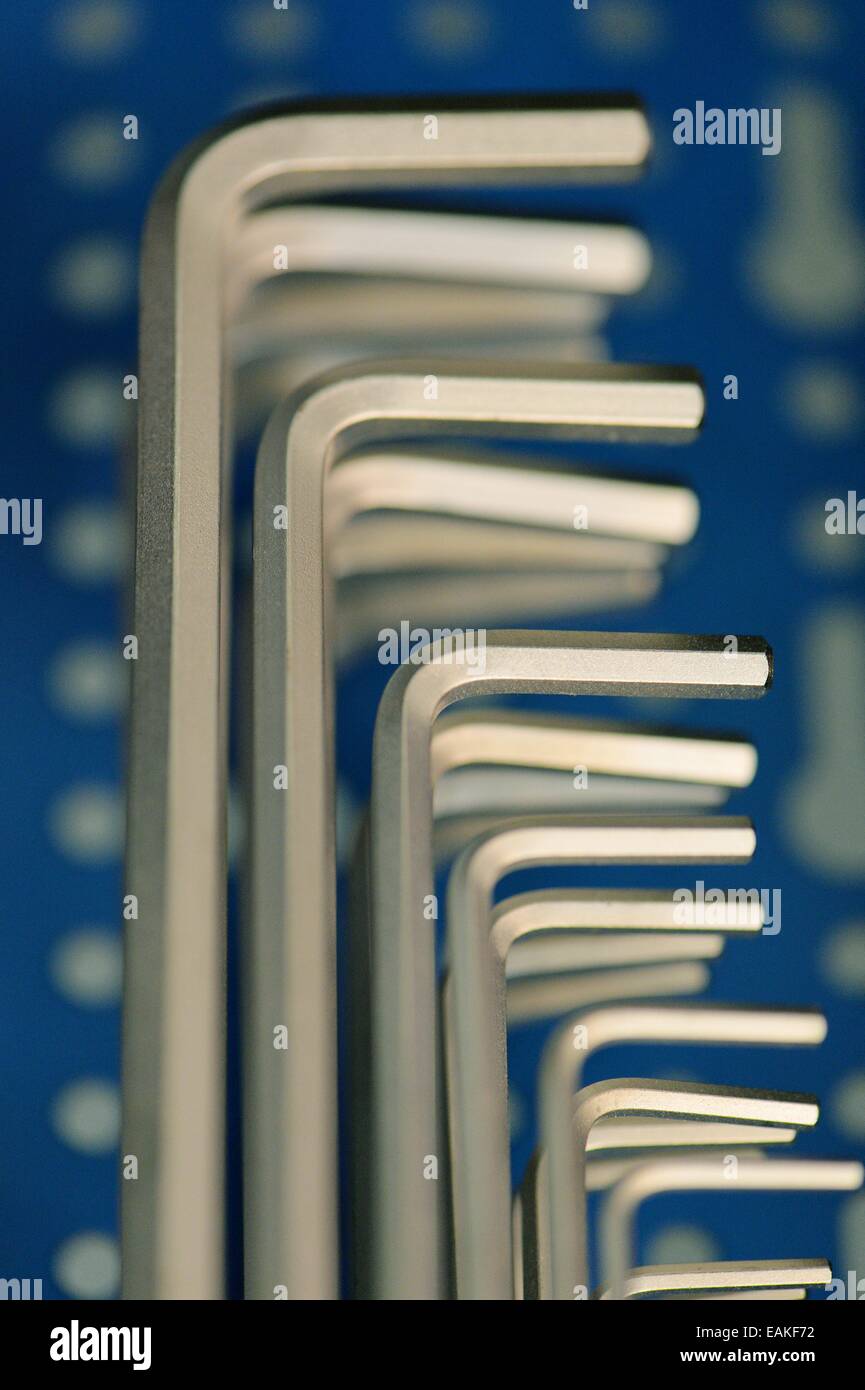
(760, 275)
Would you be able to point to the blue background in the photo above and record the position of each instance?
(763, 469)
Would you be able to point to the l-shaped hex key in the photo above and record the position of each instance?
(521, 740)
(559, 1173)
(474, 1003)
(172, 1217)
(729, 1278)
(492, 764)
(697, 1174)
(292, 1166)
(639, 1139)
(407, 1208)
(694, 1099)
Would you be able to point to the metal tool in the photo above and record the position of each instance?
(747, 1279)
(698, 1174)
(465, 600)
(406, 1205)
(505, 284)
(174, 1017)
(408, 244)
(559, 1174)
(292, 1126)
(506, 739)
(541, 499)
(694, 1099)
(637, 1139)
(474, 1002)
(631, 524)
(302, 328)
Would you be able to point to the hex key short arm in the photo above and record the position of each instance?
(475, 1005)
(742, 1277)
(174, 1026)
(695, 1174)
(374, 543)
(449, 246)
(476, 484)
(467, 600)
(405, 1096)
(560, 1078)
(466, 736)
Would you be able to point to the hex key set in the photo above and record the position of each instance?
(373, 511)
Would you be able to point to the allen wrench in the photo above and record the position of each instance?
(291, 1159)
(631, 522)
(491, 283)
(556, 1181)
(695, 1174)
(465, 600)
(518, 739)
(647, 1135)
(747, 1279)
(172, 1217)
(696, 1100)
(407, 244)
(291, 1165)
(482, 775)
(474, 1006)
(407, 1260)
(464, 738)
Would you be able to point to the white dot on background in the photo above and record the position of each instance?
(448, 28)
(94, 277)
(87, 409)
(818, 548)
(848, 1105)
(680, 1244)
(91, 152)
(87, 967)
(89, 543)
(88, 680)
(797, 24)
(86, 823)
(90, 31)
(265, 32)
(842, 958)
(629, 28)
(87, 1265)
(86, 1115)
(824, 401)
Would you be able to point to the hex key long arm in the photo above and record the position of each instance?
(405, 1082)
(699, 1174)
(560, 1250)
(475, 1010)
(173, 1028)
